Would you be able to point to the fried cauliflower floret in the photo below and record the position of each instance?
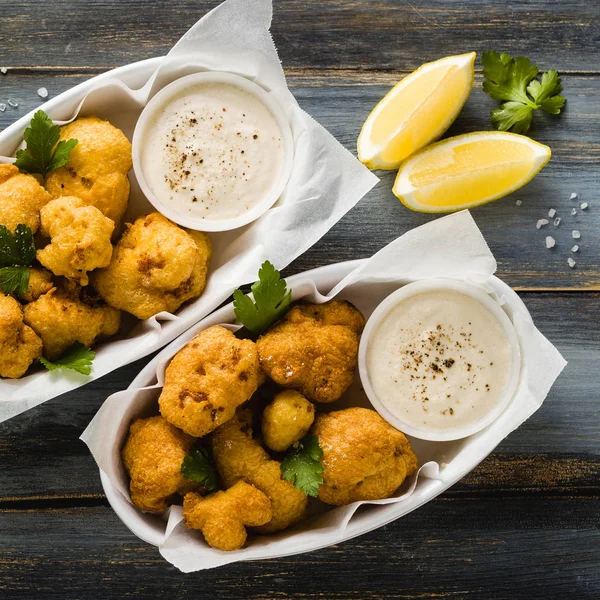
(223, 517)
(79, 238)
(21, 198)
(156, 266)
(97, 167)
(153, 454)
(19, 345)
(286, 420)
(239, 457)
(61, 319)
(40, 282)
(314, 349)
(364, 457)
(207, 380)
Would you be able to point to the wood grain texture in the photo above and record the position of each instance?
(372, 34)
(342, 101)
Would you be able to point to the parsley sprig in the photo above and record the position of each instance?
(302, 465)
(513, 82)
(198, 467)
(41, 155)
(16, 255)
(78, 358)
(271, 300)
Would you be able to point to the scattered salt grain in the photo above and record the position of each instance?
(575, 248)
(4, 70)
(573, 196)
(573, 211)
(576, 234)
(584, 205)
(551, 213)
(519, 202)
(571, 262)
(13, 103)
(2, 106)
(557, 222)
(42, 92)
(541, 223)
(550, 242)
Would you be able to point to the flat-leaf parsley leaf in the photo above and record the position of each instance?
(198, 467)
(513, 82)
(17, 252)
(302, 465)
(271, 300)
(41, 138)
(78, 358)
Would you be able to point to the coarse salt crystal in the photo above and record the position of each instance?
(551, 213)
(519, 202)
(576, 234)
(584, 205)
(575, 248)
(4, 70)
(571, 262)
(13, 103)
(550, 242)
(573, 196)
(42, 92)
(2, 106)
(557, 222)
(573, 211)
(541, 223)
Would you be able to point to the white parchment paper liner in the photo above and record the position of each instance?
(326, 181)
(448, 247)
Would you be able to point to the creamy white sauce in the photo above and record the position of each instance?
(213, 151)
(439, 360)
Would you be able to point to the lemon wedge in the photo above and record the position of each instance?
(416, 111)
(468, 170)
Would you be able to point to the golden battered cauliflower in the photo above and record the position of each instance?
(61, 319)
(156, 266)
(314, 349)
(21, 198)
(364, 457)
(79, 238)
(40, 282)
(239, 457)
(97, 167)
(286, 420)
(207, 380)
(153, 454)
(222, 517)
(19, 345)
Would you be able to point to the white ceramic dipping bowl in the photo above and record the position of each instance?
(429, 285)
(162, 98)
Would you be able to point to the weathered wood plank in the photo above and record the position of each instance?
(383, 34)
(342, 101)
(558, 449)
(516, 548)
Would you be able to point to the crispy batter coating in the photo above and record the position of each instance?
(364, 457)
(40, 282)
(314, 349)
(19, 345)
(61, 319)
(286, 420)
(79, 238)
(153, 454)
(21, 198)
(222, 517)
(239, 457)
(156, 266)
(97, 167)
(207, 380)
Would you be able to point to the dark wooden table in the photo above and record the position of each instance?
(525, 523)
